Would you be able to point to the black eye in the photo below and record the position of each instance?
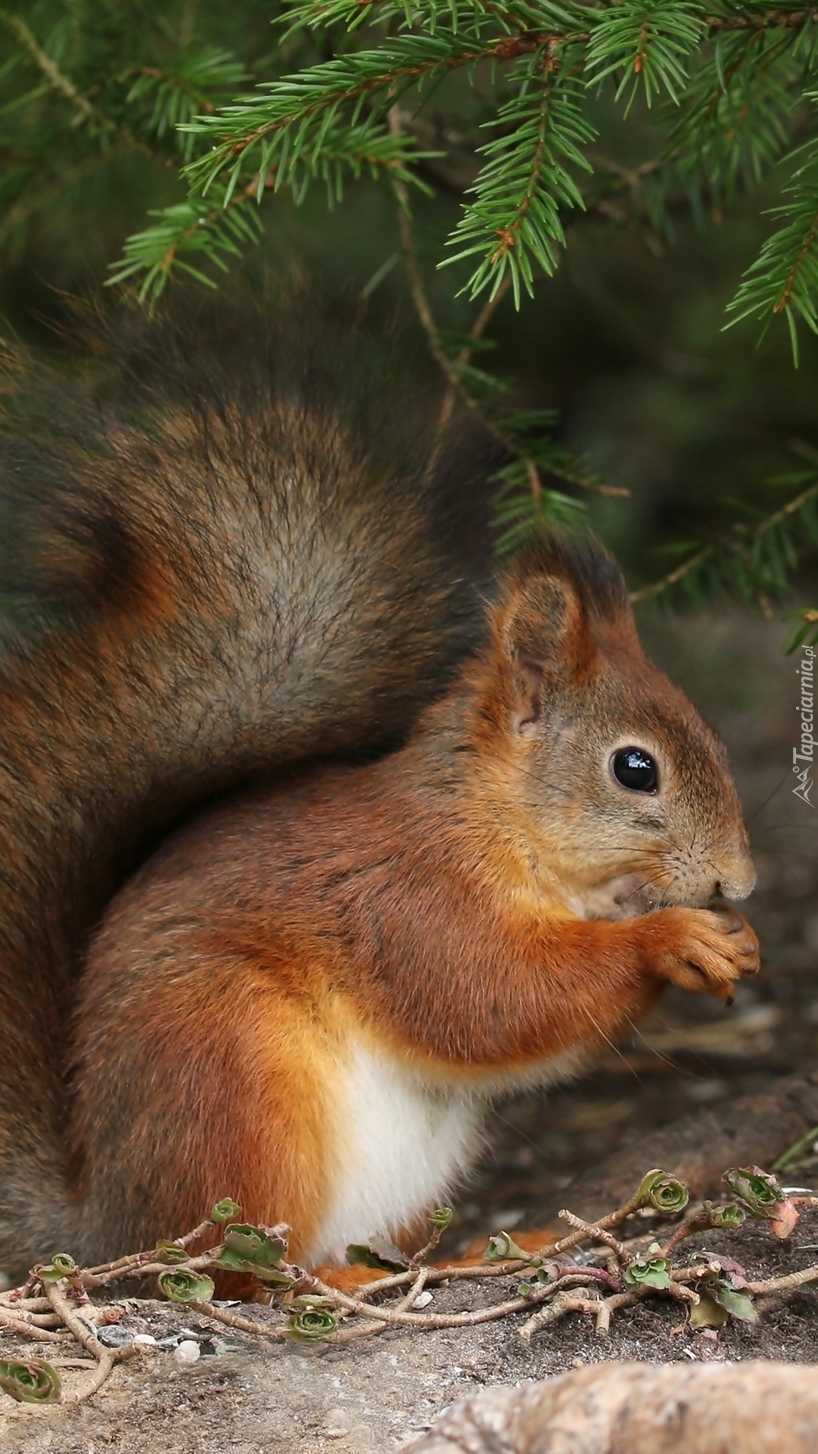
(635, 769)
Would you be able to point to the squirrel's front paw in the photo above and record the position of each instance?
(704, 949)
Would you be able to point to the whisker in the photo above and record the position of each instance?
(659, 1054)
(523, 1136)
(776, 827)
(762, 806)
(610, 1043)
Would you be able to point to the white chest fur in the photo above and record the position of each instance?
(403, 1144)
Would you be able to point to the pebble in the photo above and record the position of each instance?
(187, 1352)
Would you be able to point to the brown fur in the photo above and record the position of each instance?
(210, 579)
(418, 903)
(478, 901)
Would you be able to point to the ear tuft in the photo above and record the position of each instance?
(558, 592)
(546, 642)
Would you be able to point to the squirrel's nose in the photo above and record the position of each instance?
(738, 878)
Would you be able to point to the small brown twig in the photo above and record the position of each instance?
(566, 1302)
(695, 1223)
(423, 1252)
(71, 1320)
(105, 1358)
(26, 1328)
(593, 1233)
(198, 1232)
(235, 1320)
(781, 1284)
(374, 1326)
(397, 1316)
(415, 1290)
(48, 1311)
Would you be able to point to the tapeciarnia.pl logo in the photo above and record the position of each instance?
(802, 762)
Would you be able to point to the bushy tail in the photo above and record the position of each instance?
(212, 568)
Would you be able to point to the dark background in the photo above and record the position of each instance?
(626, 341)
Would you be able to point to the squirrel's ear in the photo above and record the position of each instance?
(546, 642)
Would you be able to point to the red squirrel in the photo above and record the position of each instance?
(310, 845)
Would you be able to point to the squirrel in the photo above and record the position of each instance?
(312, 841)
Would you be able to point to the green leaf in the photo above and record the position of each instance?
(738, 1304)
(184, 1286)
(251, 1249)
(225, 1211)
(254, 1245)
(502, 1248)
(725, 1215)
(171, 1252)
(648, 1272)
(32, 1381)
(663, 1191)
(312, 1320)
(707, 1313)
(758, 1189)
(441, 1218)
(378, 1253)
(61, 1265)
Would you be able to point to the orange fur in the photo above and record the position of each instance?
(301, 995)
(420, 905)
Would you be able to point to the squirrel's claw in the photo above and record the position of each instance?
(706, 949)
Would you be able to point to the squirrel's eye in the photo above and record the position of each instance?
(635, 769)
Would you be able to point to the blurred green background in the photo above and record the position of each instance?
(626, 341)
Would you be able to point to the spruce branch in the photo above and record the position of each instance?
(648, 41)
(516, 16)
(49, 68)
(750, 560)
(784, 277)
(514, 223)
(303, 112)
(184, 91)
(35, 197)
(763, 19)
(109, 131)
(736, 116)
(524, 506)
(328, 120)
(189, 228)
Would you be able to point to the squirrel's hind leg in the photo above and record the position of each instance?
(206, 1070)
(197, 1080)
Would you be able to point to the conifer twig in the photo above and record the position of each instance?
(734, 545)
(49, 68)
